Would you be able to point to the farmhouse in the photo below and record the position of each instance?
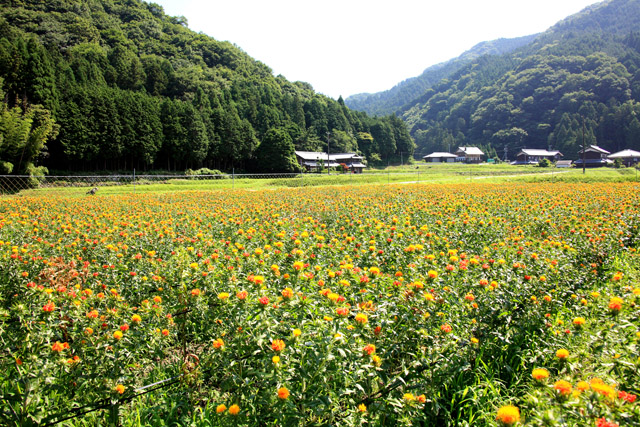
(313, 161)
(469, 155)
(438, 157)
(594, 157)
(628, 157)
(530, 156)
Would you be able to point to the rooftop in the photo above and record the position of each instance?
(474, 151)
(624, 154)
(596, 149)
(439, 154)
(539, 153)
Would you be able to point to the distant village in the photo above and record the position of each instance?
(592, 157)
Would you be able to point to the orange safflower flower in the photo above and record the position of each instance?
(283, 393)
(579, 321)
(600, 387)
(342, 311)
(221, 408)
(218, 343)
(508, 415)
(562, 354)
(615, 304)
(49, 307)
(234, 409)
(369, 349)
(57, 346)
(362, 318)
(627, 397)
(120, 388)
(563, 387)
(582, 386)
(408, 397)
(540, 374)
(603, 422)
(277, 345)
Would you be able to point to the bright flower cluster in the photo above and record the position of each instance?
(375, 305)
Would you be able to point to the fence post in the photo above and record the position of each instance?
(134, 180)
(388, 176)
(114, 415)
(233, 178)
(301, 179)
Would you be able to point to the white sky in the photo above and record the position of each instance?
(344, 47)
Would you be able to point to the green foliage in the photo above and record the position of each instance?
(579, 80)
(202, 171)
(23, 135)
(544, 163)
(392, 100)
(276, 153)
(372, 305)
(132, 87)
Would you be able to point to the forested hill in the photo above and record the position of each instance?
(392, 100)
(585, 69)
(118, 84)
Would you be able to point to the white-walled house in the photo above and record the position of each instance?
(314, 160)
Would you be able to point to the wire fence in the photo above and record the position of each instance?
(93, 184)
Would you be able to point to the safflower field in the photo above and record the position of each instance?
(448, 305)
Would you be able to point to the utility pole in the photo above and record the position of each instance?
(505, 153)
(328, 151)
(584, 151)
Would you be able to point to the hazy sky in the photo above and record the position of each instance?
(344, 47)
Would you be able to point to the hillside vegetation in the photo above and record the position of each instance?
(584, 73)
(392, 100)
(119, 85)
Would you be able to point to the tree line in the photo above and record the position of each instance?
(579, 80)
(126, 86)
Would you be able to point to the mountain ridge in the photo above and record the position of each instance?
(391, 100)
(585, 69)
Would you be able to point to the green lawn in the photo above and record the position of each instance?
(418, 174)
